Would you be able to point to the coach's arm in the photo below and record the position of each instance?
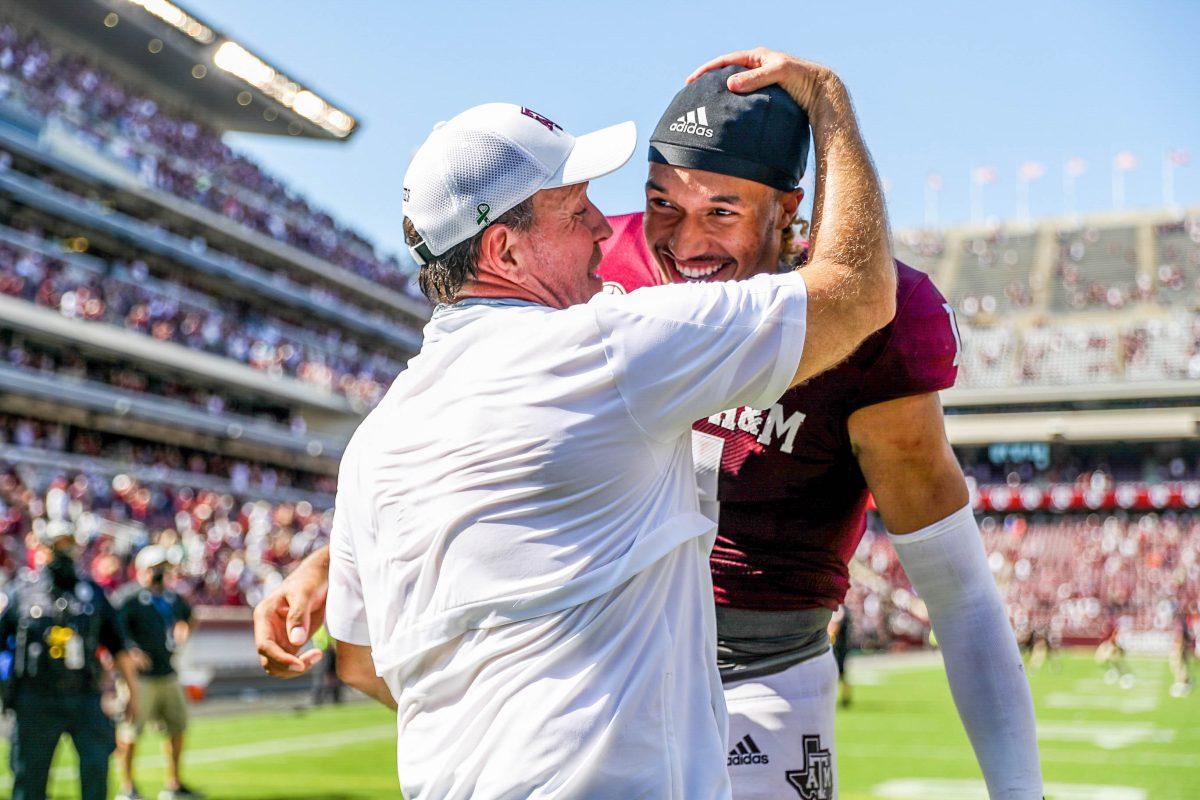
(850, 277)
(908, 464)
(356, 668)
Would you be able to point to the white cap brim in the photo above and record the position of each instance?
(596, 154)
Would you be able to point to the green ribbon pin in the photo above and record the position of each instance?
(484, 209)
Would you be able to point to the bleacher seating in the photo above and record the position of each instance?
(1097, 268)
(993, 276)
(1177, 246)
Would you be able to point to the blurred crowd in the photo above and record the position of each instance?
(17, 351)
(229, 551)
(1070, 577)
(1061, 351)
(1099, 270)
(124, 296)
(1152, 330)
(242, 475)
(998, 266)
(178, 154)
(1092, 470)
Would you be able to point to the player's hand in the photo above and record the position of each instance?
(286, 618)
(130, 714)
(804, 80)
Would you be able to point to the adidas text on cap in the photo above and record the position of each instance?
(761, 136)
(492, 157)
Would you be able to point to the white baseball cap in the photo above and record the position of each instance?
(150, 557)
(54, 529)
(490, 158)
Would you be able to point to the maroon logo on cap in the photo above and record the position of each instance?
(549, 123)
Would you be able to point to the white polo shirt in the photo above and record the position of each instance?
(518, 539)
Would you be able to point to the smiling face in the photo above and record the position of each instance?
(564, 242)
(702, 226)
(551, 260)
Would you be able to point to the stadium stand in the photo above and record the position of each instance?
(230, 551)
(186, 342)
(1072, 577)
(994, 274)
(175, 153)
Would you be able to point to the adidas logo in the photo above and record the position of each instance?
(747, 752)
(693, 122)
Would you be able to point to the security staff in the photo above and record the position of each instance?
(55, 619)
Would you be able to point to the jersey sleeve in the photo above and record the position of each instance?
(921, 350)
(685, 351)
(345, 609)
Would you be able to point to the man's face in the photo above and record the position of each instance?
(63, 544)
(702, 226)
(563, 247)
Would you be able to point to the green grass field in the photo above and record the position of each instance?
(899, 739)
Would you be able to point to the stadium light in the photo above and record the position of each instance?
(1028, 172)
(1173, 159)
(1072, 169)
(177, 18)
(1123, 162)
(980, 177)
(240, 62)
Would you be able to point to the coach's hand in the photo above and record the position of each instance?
(286, 618)
(805, 81)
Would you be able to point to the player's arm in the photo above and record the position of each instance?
(850, 277)
(922, 497)
(127, 659)
(356, 668)
(285, 619)
(184, 622)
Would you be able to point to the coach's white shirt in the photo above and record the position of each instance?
(517, 537)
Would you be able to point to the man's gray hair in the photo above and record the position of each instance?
(442, 278)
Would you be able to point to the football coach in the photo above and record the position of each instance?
(518, 563)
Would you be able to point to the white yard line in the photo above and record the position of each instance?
(922, 788)
(945, 752)
(1137, 704)
(1105, 735)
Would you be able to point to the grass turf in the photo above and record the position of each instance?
(900, 732)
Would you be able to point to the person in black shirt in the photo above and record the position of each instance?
(53, 621)
(159, 621)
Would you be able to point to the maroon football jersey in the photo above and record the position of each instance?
(628, 263)
(793, 500)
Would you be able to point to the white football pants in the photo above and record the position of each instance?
(781, 731)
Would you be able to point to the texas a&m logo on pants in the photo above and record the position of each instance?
(814, 780)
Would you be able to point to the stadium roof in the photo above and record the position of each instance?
(162, 46)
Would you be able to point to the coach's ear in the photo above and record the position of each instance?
(497, 251)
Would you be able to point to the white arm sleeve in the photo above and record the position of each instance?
(948, 567)
(345, 610)
(686, 351)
